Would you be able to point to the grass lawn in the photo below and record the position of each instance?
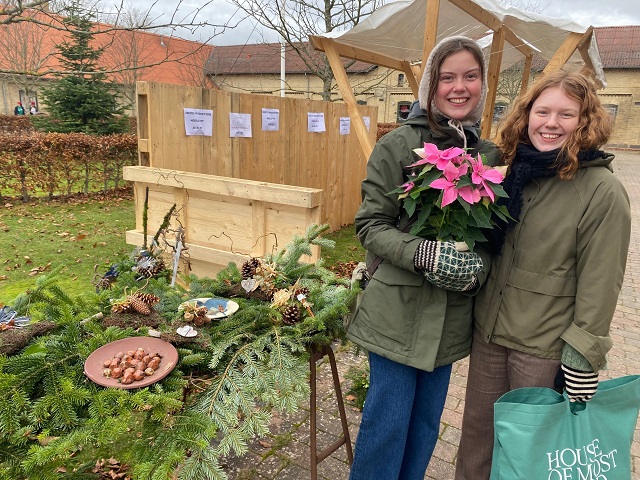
(77, 234)
(82, 233)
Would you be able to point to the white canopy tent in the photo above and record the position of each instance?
(401, 33)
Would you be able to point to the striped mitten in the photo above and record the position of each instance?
(580, 386)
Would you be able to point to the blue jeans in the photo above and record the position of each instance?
(400, 421)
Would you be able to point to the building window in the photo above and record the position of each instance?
(400, 79)
(612, 109)
(403, 111)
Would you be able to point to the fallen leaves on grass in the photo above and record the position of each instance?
(37, 270)
(343, 269)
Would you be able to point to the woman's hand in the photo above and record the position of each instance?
(443, 259)
(446, 267)
(580, 386)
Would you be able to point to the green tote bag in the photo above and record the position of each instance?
(540, 435)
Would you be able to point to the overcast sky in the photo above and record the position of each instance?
(599, 13)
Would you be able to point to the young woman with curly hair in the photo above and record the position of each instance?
(542, 318)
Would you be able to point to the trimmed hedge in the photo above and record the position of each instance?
(50, 164)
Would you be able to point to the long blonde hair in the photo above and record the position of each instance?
(594, 123)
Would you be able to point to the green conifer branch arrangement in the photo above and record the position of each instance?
(241, 369)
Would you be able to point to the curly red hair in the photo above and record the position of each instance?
(594, 124)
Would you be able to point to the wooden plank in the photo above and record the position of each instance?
(491, 21)
(412, 79)
(221, 148)
(493, 73)
(220, 222)
(526, 73)
(258, 232)
(476, 11)
(250, 189)
(143, 123)
(354, 53)
(517, 42)
(281, 224)
(357, 122)
(430, 31)
(564, 52)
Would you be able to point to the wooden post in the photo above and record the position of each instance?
(564, 52)
(493, 72)
(347, 95)
(430, 31)
(414, 81)
(317, 457)
(526, 73)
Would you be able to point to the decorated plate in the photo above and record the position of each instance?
(94, 368)
(217, 308)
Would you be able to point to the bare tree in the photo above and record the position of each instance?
(117, 23)
(510, 80)
(129, 51)
(194, 72)
(295, 20)
(21, 51)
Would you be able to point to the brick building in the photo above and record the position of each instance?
(129, 56)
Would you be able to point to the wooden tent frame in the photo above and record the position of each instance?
(413, 73)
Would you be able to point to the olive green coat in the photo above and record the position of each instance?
(402, 316)
(561, 268)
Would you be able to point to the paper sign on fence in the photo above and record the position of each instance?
(198, 122)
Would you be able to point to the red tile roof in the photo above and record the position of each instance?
(254, 59)
(619, 46)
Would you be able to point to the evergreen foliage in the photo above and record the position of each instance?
(81, 99)
(55, 423)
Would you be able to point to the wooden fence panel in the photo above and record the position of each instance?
(293, 156)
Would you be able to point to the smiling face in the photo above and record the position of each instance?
(459, 85)
(553, 117)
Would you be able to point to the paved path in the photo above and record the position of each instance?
(284, 455)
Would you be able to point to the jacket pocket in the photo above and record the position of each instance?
(389, 307)
(544, 284)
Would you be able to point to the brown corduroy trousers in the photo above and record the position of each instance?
(493, 371)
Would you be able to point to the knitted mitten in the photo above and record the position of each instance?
(446, 267)
(580, 386)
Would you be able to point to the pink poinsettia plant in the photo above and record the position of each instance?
(453, 194)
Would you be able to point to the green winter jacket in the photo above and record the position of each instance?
(561, 268)
(402, 316)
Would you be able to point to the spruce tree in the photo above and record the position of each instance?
(81, 99)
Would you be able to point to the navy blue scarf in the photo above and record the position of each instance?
(528, 165)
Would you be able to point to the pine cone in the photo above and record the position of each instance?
(138, 305)
(157, 267)
(146, 271)
(148, 298)
(291, 314)
(121, 307)
(302, 291)
(268, 291)
(248, 268)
